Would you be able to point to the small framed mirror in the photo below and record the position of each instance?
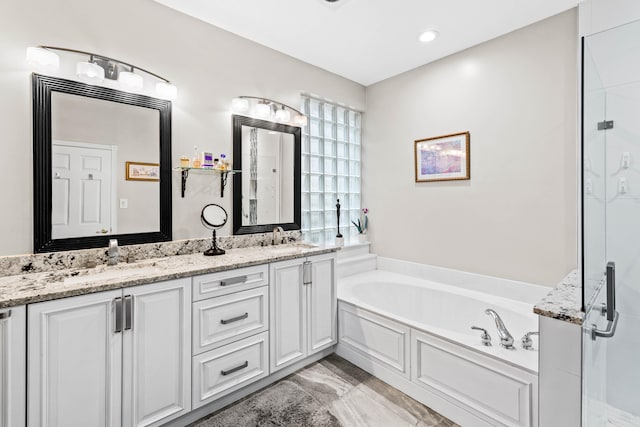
(214, 217)
(267, 194)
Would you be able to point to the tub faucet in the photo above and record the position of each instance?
(506, 340)
(276, 237)
(113, 252)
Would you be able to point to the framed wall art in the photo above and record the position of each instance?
(136, 171)
(443, 158)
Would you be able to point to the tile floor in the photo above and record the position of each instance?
(331, 392)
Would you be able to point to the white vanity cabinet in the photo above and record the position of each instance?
(12, 366)
(302, 308)
(115, 358)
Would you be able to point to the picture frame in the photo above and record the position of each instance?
(137, 171)
(443, 158)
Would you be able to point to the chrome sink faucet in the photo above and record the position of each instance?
(113, 252)
(276, 238)
(506, 340)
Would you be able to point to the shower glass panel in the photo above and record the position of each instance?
(611, 227)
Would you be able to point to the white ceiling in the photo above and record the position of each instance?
(369, 40)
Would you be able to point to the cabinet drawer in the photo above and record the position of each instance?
(223, 370)
(226, 282)
(221, 320)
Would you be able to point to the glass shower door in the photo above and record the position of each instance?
(611, 227)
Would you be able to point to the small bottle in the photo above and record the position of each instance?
(195, 162)
(184, 162)
(222, 162)
(216, 163)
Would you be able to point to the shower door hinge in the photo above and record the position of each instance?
(607, 124)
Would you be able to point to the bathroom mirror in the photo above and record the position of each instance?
(101, 166)
(266, 194)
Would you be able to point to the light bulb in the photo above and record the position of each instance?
(283, 116)
(240, 105)
(263, 111)
(89, 72)
(130, 81)
(166, 90)
(300, 120)
(42, 59)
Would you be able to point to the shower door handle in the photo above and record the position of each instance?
(609, 309)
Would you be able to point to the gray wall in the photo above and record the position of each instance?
(516, 217)
(210, 67)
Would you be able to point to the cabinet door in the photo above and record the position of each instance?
(157, 353)
(322, 303)
(287, 311)
(74, 362)
(13, 335)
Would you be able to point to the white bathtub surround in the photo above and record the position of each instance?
(415, 334)
(354, 259)
(504, 288)
(564, 302)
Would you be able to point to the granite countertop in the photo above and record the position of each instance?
(44, 286)
(564, 302)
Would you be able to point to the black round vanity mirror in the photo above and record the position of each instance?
(214, 217)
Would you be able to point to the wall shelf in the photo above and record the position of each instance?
(224, 174)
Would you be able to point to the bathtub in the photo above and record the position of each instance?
(416, 335)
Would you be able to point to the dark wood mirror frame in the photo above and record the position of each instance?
(238, 122)
(42, 161)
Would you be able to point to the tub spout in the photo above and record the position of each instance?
(506, 340)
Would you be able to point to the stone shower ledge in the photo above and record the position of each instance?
(564, 302)
(45, 286)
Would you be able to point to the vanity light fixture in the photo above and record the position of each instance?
(130, 81)
(428, 36)
(283, 115)
(98, 68)
(43, 59)
(90, 72)
(268, 109)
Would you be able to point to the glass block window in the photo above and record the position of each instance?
(330, 170)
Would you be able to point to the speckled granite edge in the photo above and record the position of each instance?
(564, 302)
(52, 261)
(46, 286)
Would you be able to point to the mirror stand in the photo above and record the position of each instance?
(214, 249)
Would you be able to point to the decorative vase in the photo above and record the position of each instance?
(362, 238)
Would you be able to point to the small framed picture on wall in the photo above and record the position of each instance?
(443, 158)
(136, 171)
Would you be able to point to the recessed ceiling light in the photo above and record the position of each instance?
(428, 36)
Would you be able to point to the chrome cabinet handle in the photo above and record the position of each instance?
(237, 368)
(128, 312)
(233, 281)
(5, 314)
(234, 319)
(117, 304)
(307, 276)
